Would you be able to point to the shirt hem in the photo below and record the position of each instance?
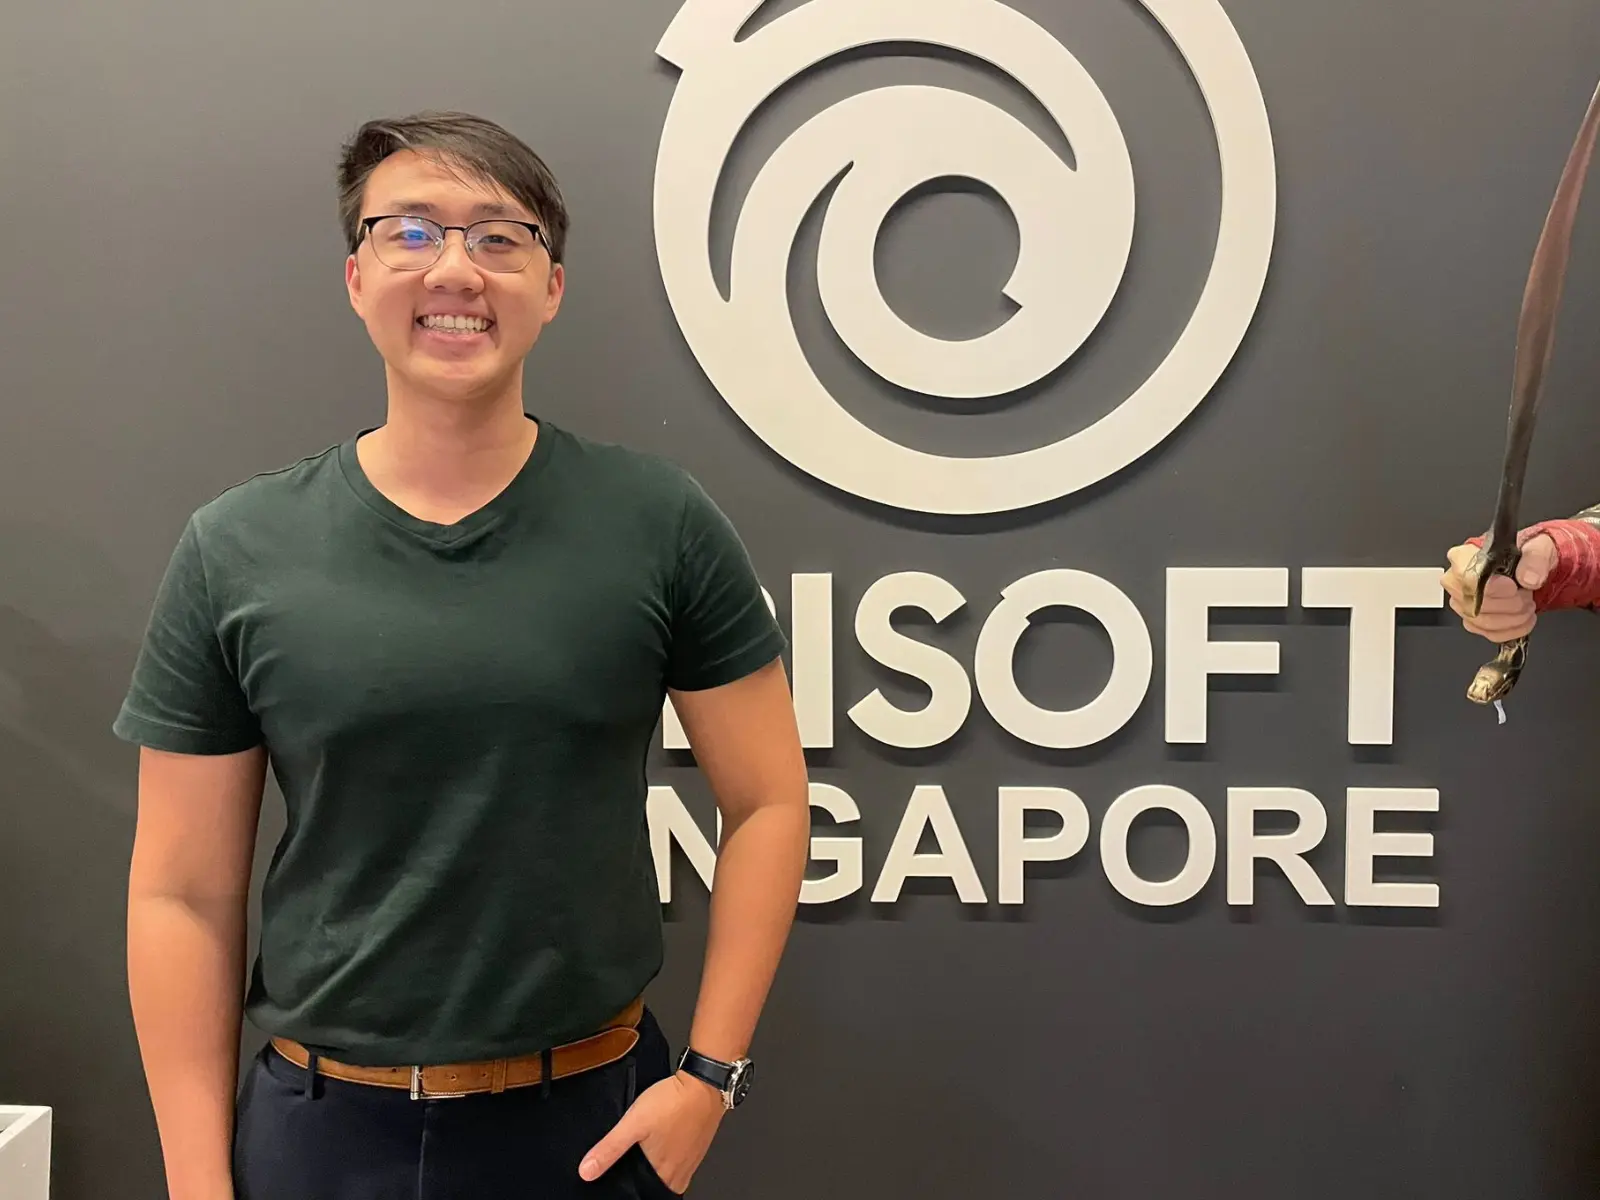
(389, 1053)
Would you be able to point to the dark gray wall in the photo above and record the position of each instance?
(174, 319)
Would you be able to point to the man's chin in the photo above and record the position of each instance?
(462, 380)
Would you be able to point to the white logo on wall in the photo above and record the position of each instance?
(1076, 228)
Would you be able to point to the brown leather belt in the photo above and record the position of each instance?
(449, 1080)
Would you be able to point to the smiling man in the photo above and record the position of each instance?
(450, 637)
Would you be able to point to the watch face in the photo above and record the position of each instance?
(743, 1075)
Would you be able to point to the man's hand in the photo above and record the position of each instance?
(1508, 610)
(672, 1123)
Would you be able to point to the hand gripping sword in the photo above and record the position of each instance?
(1541, 300)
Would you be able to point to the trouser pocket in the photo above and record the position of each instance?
(647, 1064)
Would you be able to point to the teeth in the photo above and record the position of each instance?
(460, 324)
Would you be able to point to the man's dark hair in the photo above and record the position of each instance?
(460, 141)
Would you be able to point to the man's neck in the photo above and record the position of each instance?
(441, 459)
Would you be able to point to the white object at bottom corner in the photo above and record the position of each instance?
(24, 1153)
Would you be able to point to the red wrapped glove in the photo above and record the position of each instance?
(1574, 580)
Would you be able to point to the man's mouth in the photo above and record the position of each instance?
(455, 325)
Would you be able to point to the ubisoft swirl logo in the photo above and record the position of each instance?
(1076, 228)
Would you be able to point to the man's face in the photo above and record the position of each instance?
(399, 306)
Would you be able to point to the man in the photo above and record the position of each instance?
(451, 637)
(1559, 569)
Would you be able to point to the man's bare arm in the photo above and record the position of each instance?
(188, 887)
(745, 742)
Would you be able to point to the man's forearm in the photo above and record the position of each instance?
(760, 868)
(185, 976)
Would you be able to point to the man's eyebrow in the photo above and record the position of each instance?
(485, 208)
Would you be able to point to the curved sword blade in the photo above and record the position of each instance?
(1541, 301)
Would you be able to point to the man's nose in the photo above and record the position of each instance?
(454, 264)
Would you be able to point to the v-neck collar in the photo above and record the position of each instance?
(475, 522)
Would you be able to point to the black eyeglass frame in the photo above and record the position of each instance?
(466, 233)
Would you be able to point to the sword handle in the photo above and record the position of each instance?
(1497, 678)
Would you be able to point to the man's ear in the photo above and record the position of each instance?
(555, 291)
(352, 282)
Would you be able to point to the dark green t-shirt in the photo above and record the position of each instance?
(458, 718)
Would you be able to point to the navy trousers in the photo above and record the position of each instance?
(299, 1138)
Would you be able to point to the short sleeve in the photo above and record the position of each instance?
(722, 629)
(184, 696)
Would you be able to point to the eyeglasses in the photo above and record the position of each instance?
(416, 243)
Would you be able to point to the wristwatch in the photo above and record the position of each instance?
(731, 1079)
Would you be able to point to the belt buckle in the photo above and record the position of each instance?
(419, 1093)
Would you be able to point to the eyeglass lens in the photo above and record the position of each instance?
(412, 243)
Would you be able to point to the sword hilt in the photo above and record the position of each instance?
(1496, 679)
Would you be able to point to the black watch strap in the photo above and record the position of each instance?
(731, 1079)
(717, 1074)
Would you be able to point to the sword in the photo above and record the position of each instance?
(1541, 300)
